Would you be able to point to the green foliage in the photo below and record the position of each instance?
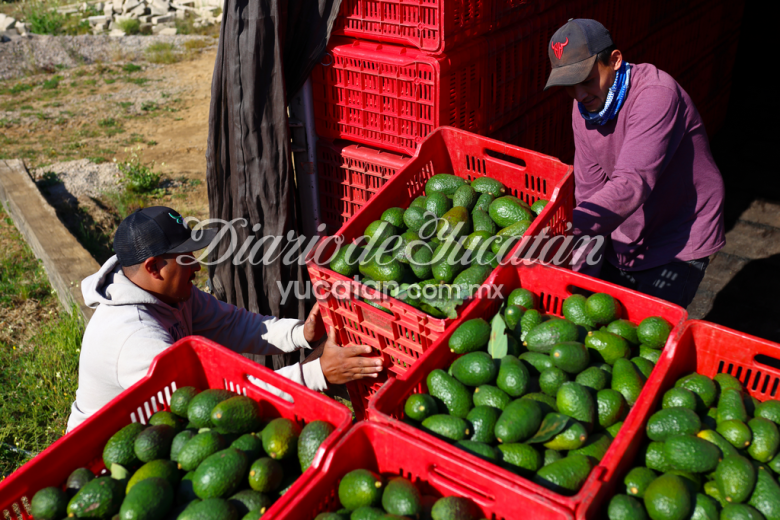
(130, 26)
(52, 83)
(161, 53)
(131, 67)
(44, 20)
(38, 383)
(109, 121)
(138, 177)
(49, 179)
(16, 89)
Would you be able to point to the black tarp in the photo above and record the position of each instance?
(267, 49)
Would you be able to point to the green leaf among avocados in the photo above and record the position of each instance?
(552, 424)
(498, 345)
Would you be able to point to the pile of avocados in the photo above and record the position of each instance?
(364, 495)
(452, 238)
(539, 395)
(212, 457)
(712, 454)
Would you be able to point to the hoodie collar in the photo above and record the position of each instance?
(110, 286)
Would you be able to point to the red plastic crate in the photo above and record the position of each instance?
(428, 25)
(704, 348)
(384, 450)
(393, 97)
(551, 285)
(191, 361)
(403, 336)
(349, 175)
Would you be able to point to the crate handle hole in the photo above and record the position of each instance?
(517, 161)
(767, 360)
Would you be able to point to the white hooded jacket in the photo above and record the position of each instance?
(131, 326)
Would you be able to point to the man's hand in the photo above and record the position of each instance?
(343, 364)
(313, 328)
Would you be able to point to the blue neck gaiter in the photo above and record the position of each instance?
(615, 98)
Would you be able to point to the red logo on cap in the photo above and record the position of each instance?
(557, 47)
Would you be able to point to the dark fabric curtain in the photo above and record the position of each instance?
(267, 49)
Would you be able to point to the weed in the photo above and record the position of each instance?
(97, 160)
(195, 182)
(133, 139)
(161, 53)
(48, 179)
(126, 104)
(151, 143)
(26, 107)
(125, 202)
(109, 121)
(17, 89)
(52, 83)
(60, 121)
(192, 45)
(80, 72)
(44, 20)
(109, 81)
(138, 81)
(131, 67)
(90, 82)
(86, 132)
(164, 95)
(55, 104)
(149, 106)
(130, 26)
(8, 123)
(138, 177)
(41, 116)
(38, 383)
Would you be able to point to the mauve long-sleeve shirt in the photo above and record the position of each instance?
(647, 178)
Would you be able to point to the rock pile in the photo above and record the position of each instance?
(153, 16)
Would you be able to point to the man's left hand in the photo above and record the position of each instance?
(313, 327)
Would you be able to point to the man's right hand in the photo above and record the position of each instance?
(343, 364)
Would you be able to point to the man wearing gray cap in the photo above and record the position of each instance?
(645, 179)
(146, 302)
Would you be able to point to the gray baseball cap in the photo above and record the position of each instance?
(574, 49)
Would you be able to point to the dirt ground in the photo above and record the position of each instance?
(107, 112)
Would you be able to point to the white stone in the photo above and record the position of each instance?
(137, 11)
(116, 33)
(108, 10)
(6, 22)
(83, 7)
(156, 20)
(147, 18)
(117, 4)
(181, 15)
(129, 5)
(168, 31)
(21, 28)
(94, 20)
(218, 18)
(159, 7)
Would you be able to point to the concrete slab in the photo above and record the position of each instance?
(753, 241)
(66, 262)
(763, 212)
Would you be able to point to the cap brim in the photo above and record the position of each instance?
(191, 244)
(571, 74)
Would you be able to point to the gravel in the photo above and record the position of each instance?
(81, 178)
(30, 55)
